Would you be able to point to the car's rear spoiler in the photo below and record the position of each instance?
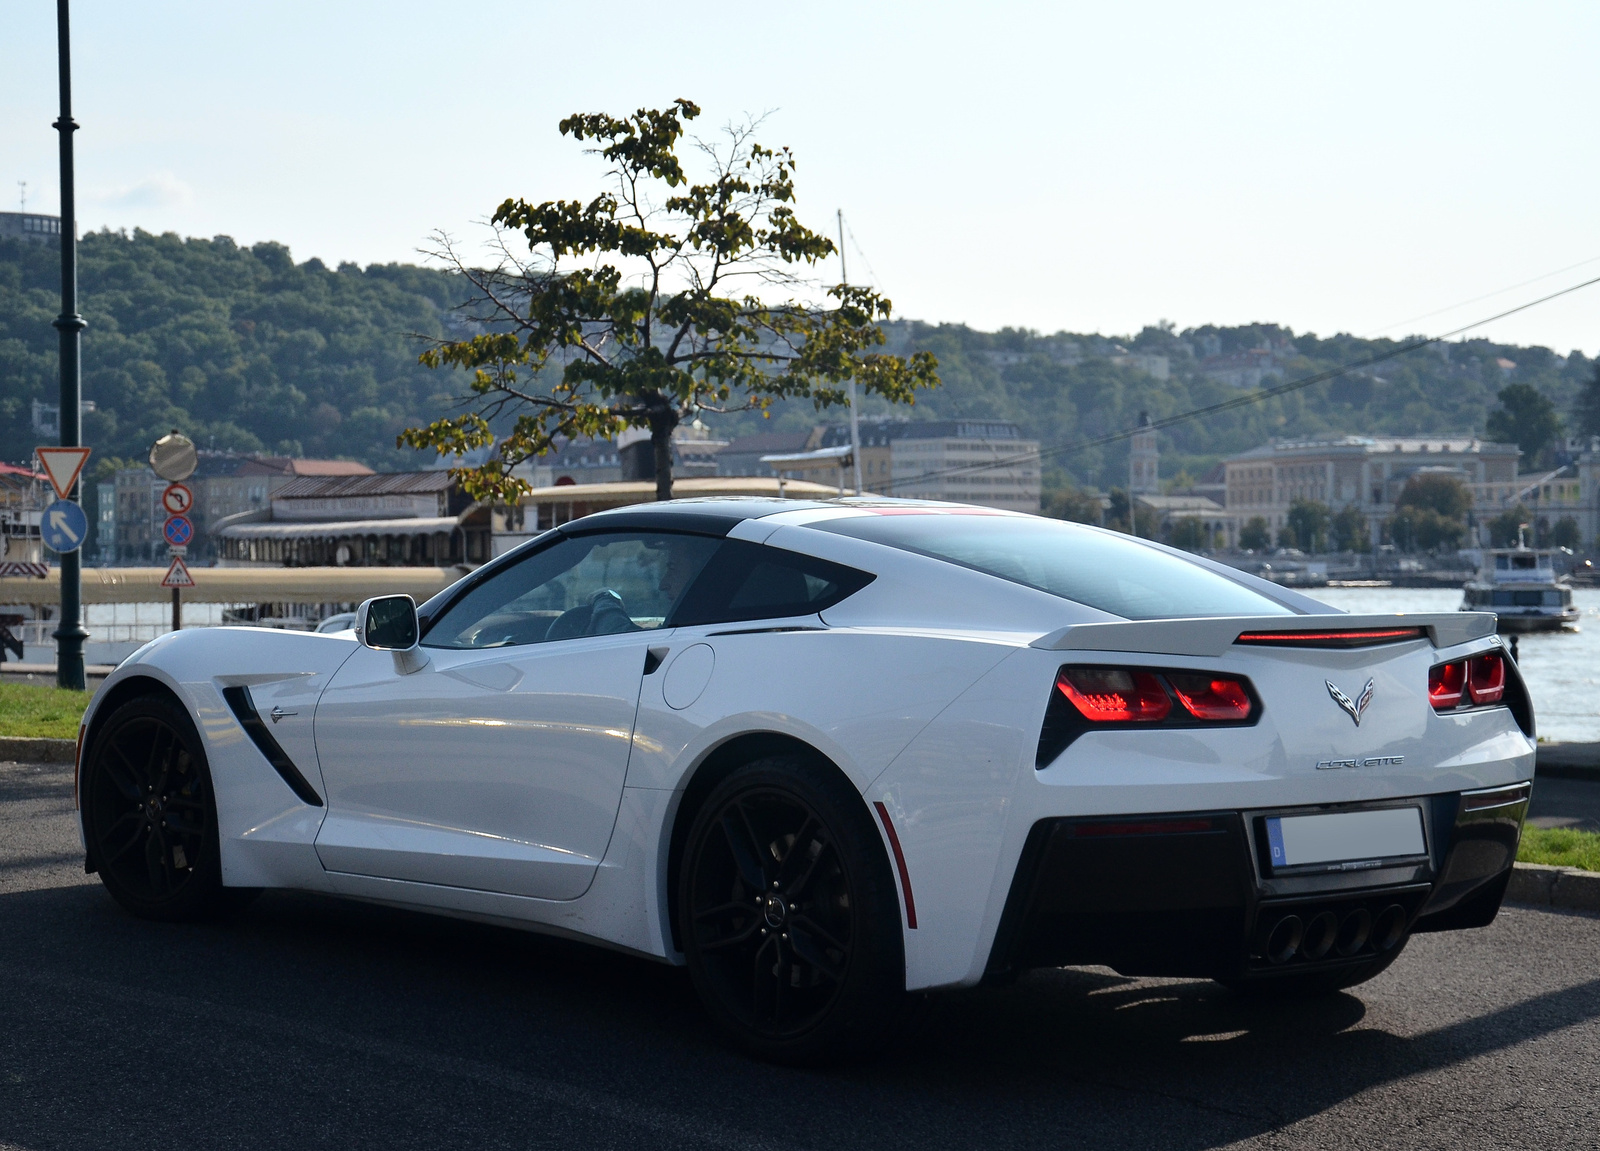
(1214, 635)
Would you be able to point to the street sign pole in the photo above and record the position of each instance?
(70, 632)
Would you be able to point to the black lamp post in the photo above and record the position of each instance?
(70, 633)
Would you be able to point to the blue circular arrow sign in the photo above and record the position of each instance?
(63, 526)
(178, 531)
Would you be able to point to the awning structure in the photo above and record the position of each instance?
(338, 529)
(239, 585)
(624, 492)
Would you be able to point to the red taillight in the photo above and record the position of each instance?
(1211, 697)
(1108, 695)
(1446, 684)
(1486, 678)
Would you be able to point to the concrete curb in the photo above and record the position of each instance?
(23, 749)
(1546, 886)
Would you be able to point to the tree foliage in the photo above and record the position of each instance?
(1308, 521)
(240, 347)
(1256, 534)
(654, 301)
(1349, 530)
(1586, 411)
(1504, 528)
(1527, 418)
(1444, 494)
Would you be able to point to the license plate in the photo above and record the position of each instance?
(1346, 837)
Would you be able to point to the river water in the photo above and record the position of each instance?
(1562, 669)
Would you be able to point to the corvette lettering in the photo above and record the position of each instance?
(1369, 761)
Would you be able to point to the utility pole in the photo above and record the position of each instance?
(855, 423)
(70, 633)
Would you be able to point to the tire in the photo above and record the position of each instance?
(1310, 983)
(789, 916)
(150, 816)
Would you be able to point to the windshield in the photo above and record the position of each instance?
(1099, 569)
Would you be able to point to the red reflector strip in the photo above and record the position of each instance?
(1349, 638)
(1499, 797)
(1151, 827)
(899, 862)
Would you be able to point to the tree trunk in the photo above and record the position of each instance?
(661, 426)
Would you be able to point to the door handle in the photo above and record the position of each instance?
(653, 657)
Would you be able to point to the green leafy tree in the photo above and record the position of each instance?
(1527, 418)
(1445, 494)
(1149, 523)
(1413, 528)
(1070, 503)
(1586, 412)
(1349, 530)
(1187, 532)
(1255, 535)
(1565, 534)
(656, 300)
(1430, 513)
(1503, 528)
(1309, 520)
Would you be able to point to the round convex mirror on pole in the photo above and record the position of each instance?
(173, 457)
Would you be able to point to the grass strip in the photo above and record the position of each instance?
(41, 712)
(1561, 846)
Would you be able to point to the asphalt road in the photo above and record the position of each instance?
(307, 1023)
(1559, 802)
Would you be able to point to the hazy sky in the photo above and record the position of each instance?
(1052, 165)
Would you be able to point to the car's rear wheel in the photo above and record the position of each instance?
(789, 916)
(149, 814)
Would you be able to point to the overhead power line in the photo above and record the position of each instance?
(1241, 401)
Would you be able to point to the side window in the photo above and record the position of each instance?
(588, 585)
(746, 581)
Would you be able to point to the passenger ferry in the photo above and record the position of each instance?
(1521, 587)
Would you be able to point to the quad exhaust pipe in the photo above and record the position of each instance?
(1327, 934)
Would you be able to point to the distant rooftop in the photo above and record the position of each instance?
(366, 484)
(289, 466)
(1456, 443)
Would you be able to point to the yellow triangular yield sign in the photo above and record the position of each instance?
(62, 465)
(178, 574)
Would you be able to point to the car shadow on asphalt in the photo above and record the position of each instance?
(305, 1021)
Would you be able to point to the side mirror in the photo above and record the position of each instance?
(389, 623)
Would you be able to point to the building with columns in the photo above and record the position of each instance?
(1366, 471)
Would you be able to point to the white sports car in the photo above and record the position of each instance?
(826, 754)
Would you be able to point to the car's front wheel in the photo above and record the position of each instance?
(789, 916)
(149, 815)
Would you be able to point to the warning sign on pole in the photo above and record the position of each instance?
(178, 575)
(63, 466)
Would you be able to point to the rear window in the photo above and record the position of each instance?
(1099, 569)
(746, 581)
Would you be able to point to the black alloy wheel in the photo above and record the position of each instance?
(149, 815)
(789, 916)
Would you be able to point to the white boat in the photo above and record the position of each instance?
(1521, 586)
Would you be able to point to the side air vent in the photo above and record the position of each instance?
(244, 710)
(1348, 637)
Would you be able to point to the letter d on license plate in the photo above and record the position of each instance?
(1345, 836)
